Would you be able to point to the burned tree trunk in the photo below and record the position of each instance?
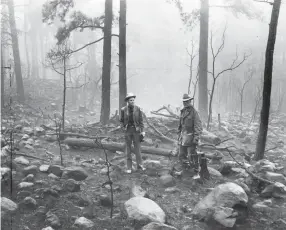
(122, 54)
(105, 94)
(16, 52)
(2, 79)
(203, 59)
(264, 115)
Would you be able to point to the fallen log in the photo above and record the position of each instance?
(172, 115)
(64, 135)
(209, 137)
(115, 146)
(161, 135)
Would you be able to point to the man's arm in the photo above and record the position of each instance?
(141, 123)
(198, 127)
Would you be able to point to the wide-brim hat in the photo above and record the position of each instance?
(130, 95)
(187, 97)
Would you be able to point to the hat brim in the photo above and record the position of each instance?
(127, 98)
(188, 99)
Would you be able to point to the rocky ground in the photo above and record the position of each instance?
(45, 195)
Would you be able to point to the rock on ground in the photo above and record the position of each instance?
(7, 206)
(223, 196)
(277, 190)
(29, 178)
(225, 216)
(29, 202)
(275, 177)
(83, 223)
(53, 220)
(21, 160)
(44, 168)
(48, 228)
(167, 181)
(214, 172)
(33, 169)
(56, 170)
(27, 130)
(137, 190)
(140, 208)
(25, 185)
(261, 206)
(105, 200)
(76, 173)
(72, 186)
(158, 226)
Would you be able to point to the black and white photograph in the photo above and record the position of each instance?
(143, 114)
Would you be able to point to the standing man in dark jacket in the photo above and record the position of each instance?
(189, 131)
(131, 121)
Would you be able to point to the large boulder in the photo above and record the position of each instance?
(213, 172)
(75, 172)
(21, 160)
(219, 203)
(275, 177)
(33, 169)
(144, 209)
(263, 165)
(83, 223)
(158, 226)
(276, 190)
(7, 207)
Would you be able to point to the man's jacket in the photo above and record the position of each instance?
(190, 126)
(137, 117)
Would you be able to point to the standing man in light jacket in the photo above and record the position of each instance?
(131, 121)
(189, 131)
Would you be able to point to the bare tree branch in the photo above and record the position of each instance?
(91, 43)
(264, 1)
(234, 65)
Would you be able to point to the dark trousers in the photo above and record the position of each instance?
(132, 136)
(189, 153)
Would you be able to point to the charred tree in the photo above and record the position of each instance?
(26, 45)
(2, 78)
(264, 115)
(105, 94)
(16, 52)
(203, 59)
(122, 54)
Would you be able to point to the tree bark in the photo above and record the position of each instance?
(2, 79)
(64, 94)
(203, 59)
(264, 115)
(16, 52)
(26, 45)
(122, 54)
(105, 94)
(42, 49)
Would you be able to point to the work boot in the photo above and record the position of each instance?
(141, 167)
